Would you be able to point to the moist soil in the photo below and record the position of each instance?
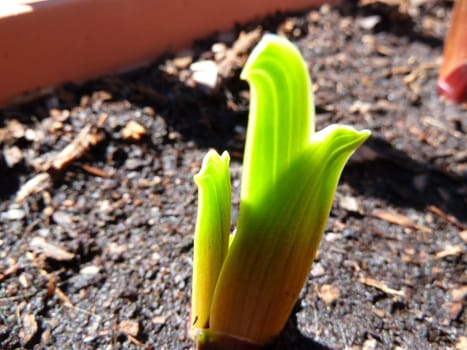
(98, 202)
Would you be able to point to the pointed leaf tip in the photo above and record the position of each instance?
(211, 233)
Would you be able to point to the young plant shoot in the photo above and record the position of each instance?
(246, 284)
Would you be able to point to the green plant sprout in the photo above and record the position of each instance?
(246, 284)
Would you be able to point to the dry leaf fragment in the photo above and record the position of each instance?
(328, 293)
(50, 250)
(399, 219)
(29, 328)
(129, 327)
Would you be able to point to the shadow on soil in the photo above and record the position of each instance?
(207, 120)
(292, 339)
(394, 176)
(218, 120)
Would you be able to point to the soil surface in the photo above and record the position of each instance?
(98, 203)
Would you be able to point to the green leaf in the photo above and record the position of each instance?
(276, 240)
(211, 233)
(281, 119)
(289, 179)
(245, 288)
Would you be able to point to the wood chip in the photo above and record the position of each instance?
(399, 219)
(38, 183)
(133, 131)
(236, 56)
(94, 170)
(454, 310)
(452, 250)
(459, 294)
(51, 285)
(50, 250)
(461, 343)
(12, 269)
(88, 137)
(129, 327)
(379, 312)
(159, 319)
(328, 293)
(29, 328)
(381, 286)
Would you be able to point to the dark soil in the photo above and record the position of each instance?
(391, 271)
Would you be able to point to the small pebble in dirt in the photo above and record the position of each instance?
(12, 156)
(13, 214)
(206, 74)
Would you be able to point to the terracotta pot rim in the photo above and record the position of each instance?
(49, 42)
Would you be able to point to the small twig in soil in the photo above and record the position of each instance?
(449, 218)
(137, 342)
(21, 296)
(399, 219)
(88, 137)
(9, 271)
(94, 171)
(381, 286)
(67, 302)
